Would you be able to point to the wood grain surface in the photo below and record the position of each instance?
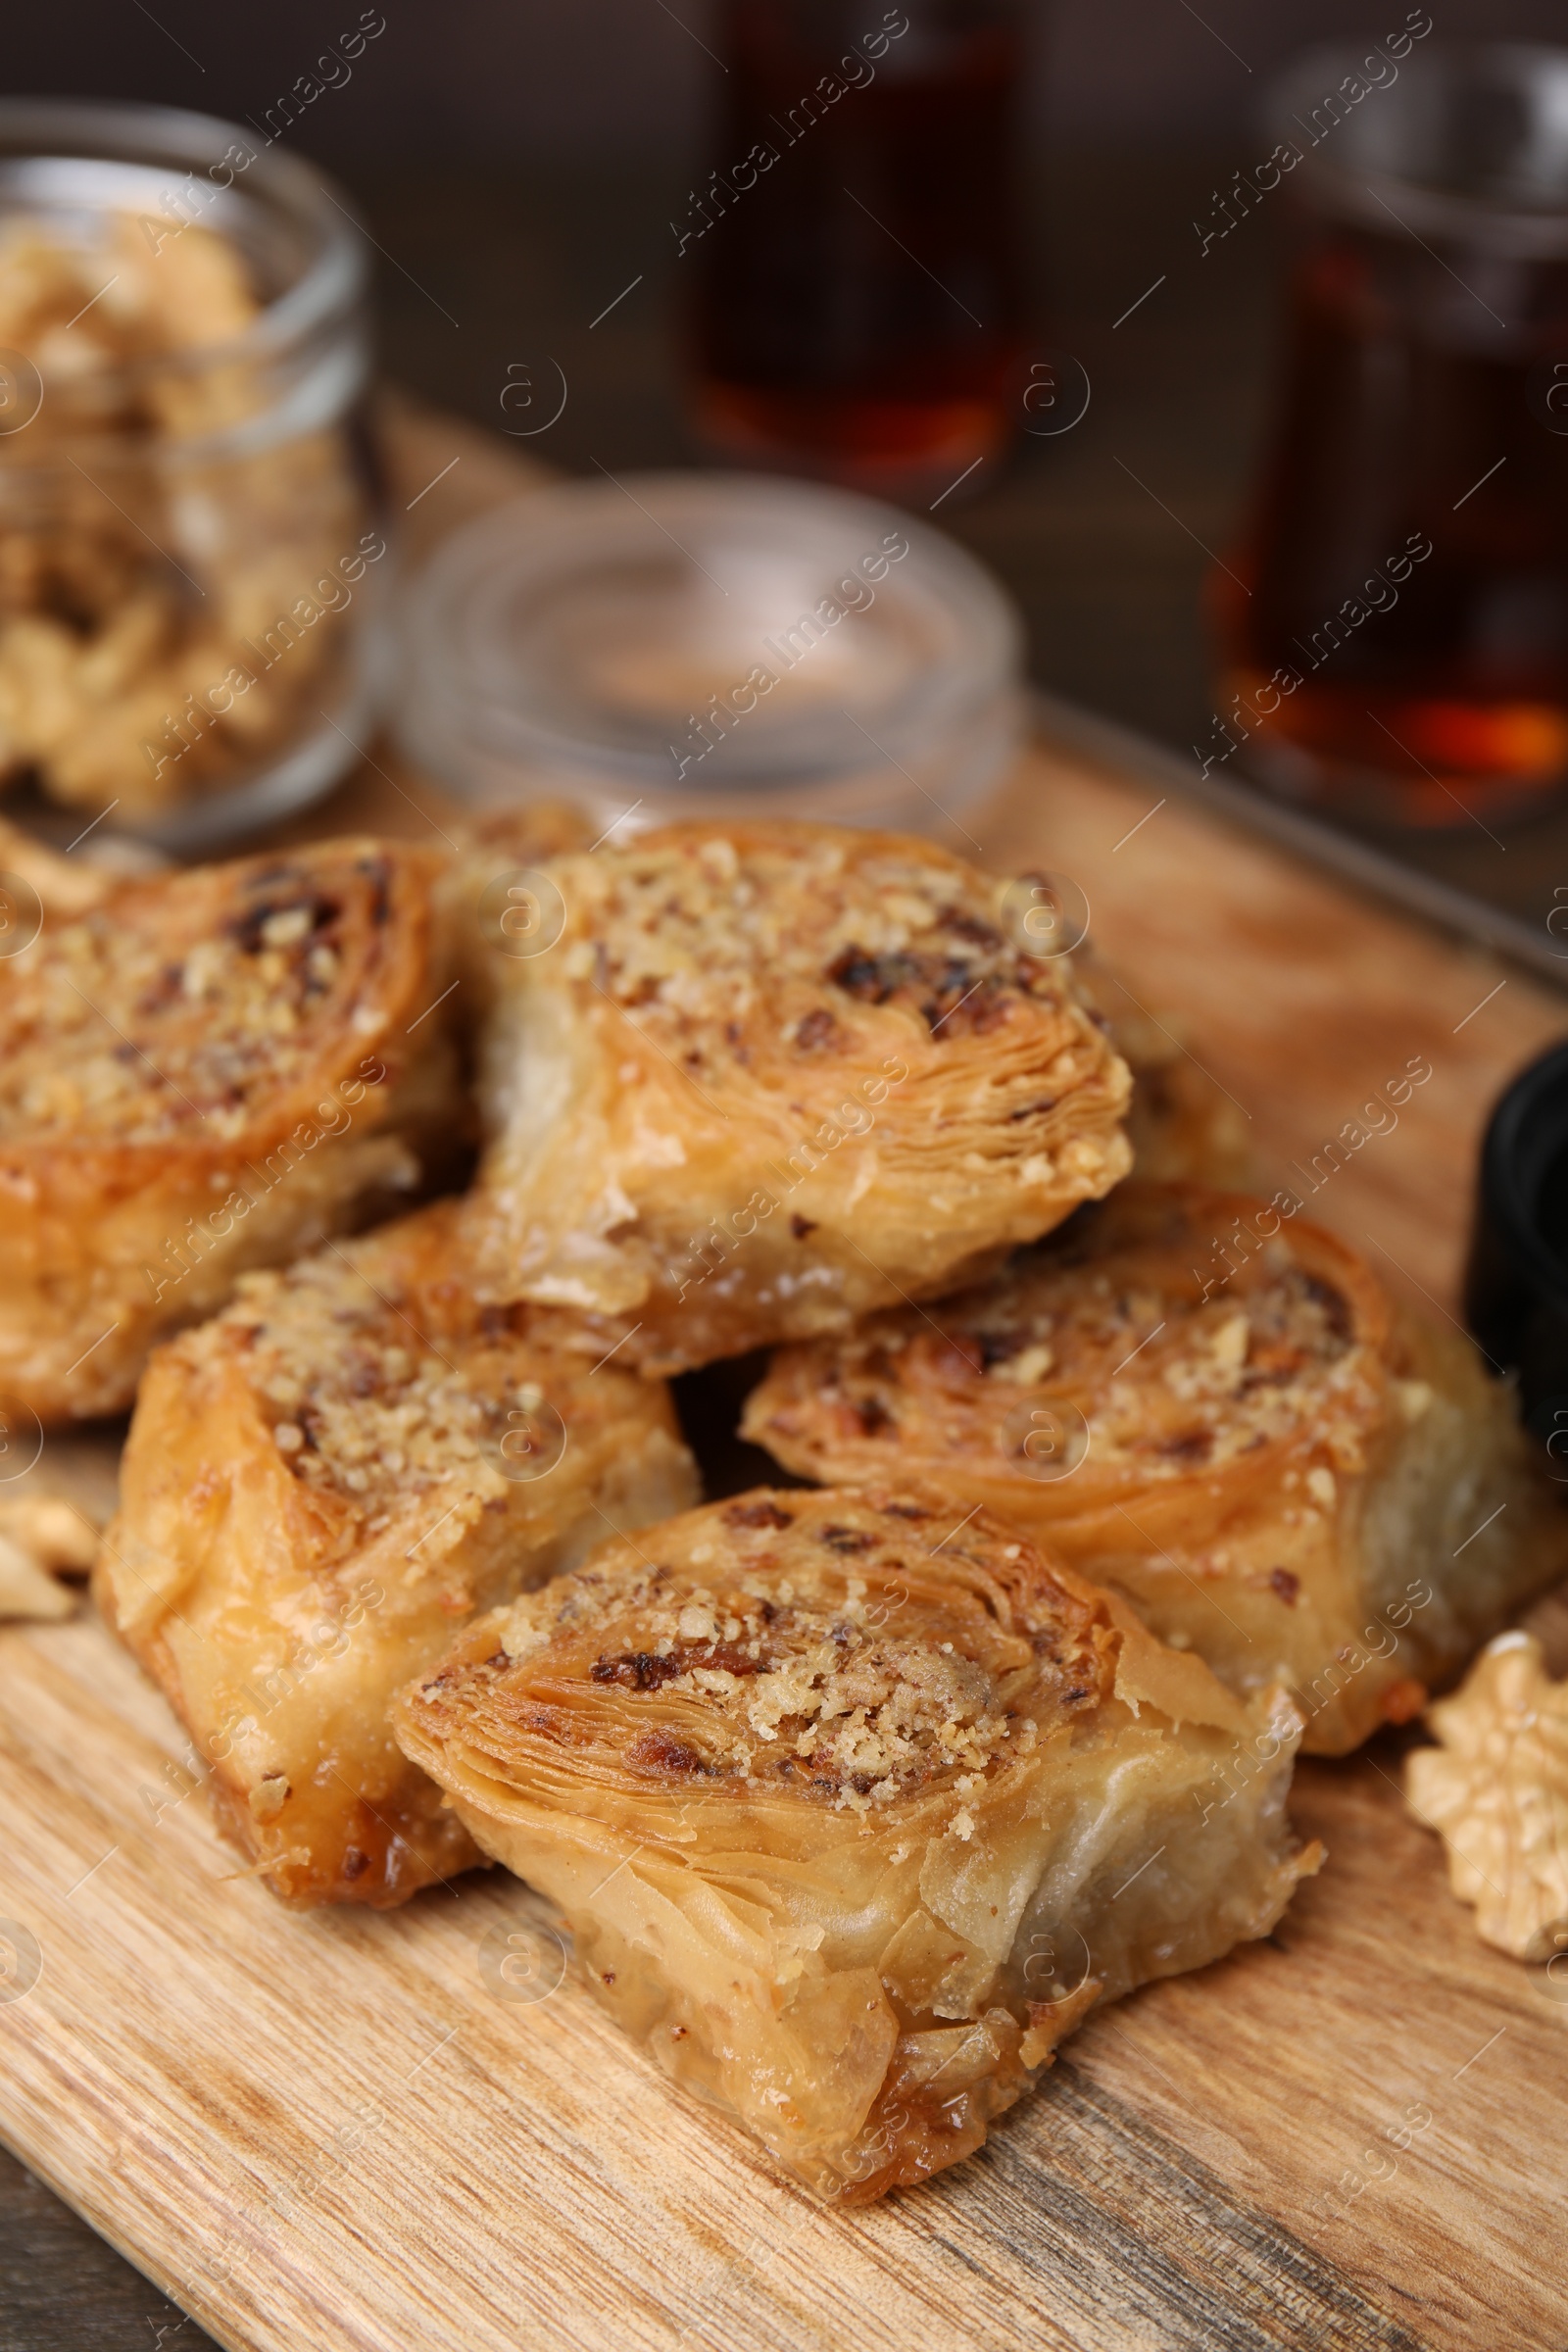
(343, 2130)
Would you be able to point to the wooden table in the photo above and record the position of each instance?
(326, 2130)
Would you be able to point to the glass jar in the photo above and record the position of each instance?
(1395, 627)
(192, 556)
(706, 645)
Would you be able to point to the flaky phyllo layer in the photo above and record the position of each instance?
(318, 1488)
(855, 1804)
(202, 1072)
(1209, 1404)
(747, 1082)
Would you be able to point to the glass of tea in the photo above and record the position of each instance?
(852, 243)
(1395, 626)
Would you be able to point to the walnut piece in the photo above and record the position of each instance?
(39, 1533)
(1497, 1790)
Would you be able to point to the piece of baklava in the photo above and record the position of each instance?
(1181, 1124)
(856, 1803)
(488, 899)
(745, 1082)
(38, 883)
(1213, 1407)
(206, 1071)
(318, 1488)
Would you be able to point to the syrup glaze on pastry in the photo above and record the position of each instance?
(202, 1072)
(1275, 1468)
(318, 1488)
(856, 1803)
(758, 1079)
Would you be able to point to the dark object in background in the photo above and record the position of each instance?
(856, 307)
(1401, 642)
(1516, 1282)
(710, 1404)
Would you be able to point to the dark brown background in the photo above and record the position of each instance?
(518, 162)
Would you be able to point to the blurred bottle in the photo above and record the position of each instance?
(1395, 642)
(855, 313)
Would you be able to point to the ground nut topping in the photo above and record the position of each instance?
(1165, 1380)
(364, 1407)
(171, 1008)
(857, 1678)
(689, 936)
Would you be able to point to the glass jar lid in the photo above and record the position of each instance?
(688, 643)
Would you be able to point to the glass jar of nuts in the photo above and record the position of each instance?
(192, 568)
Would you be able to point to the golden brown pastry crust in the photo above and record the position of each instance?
(318, 1488)
(202, 1072)
(1272, 1466)
(856, 1803)
(750, 1081)
(504, 846)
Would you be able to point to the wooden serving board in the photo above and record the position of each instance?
(342, 2130)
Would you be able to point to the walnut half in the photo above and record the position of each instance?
(41, 1538)
(1497, 1790)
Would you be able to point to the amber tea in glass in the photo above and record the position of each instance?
(1394, 628)
(853, 248)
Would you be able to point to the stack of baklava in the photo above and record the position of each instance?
(1105, 1485)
